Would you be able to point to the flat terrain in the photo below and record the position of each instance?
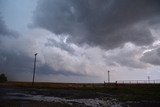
(24, 94)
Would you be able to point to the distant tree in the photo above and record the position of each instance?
(3, 78)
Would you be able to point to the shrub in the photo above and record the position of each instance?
(3, 78)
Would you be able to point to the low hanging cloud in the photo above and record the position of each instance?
(57, 57)
(128, 56)
(105, 23)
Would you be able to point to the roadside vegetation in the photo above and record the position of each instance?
(3, 78)
(122, 92)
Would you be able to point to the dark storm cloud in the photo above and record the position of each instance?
(15, 62)
(8, 60)
(106, 23)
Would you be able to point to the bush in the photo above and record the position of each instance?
(3, 78)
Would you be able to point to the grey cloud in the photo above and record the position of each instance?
(15, 60)
(4, 31)
(128, 56)
(11, 62)
(45, 69)
(152, 57)
(61, 45)
(106, 23)
(19, 63)
(3, 28)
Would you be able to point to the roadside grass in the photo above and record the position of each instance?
(122, 92)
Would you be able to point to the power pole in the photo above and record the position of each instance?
(108, 77)
(34, 68)
(148, 79)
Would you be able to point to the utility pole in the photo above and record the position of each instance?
(148, 79)
(108, 77)
(34, 68)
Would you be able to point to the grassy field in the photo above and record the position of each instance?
(122, 92)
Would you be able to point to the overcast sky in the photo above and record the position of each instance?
(80, 40)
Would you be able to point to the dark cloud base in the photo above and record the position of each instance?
(105, 23)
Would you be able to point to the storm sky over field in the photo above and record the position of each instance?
(80, 40)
